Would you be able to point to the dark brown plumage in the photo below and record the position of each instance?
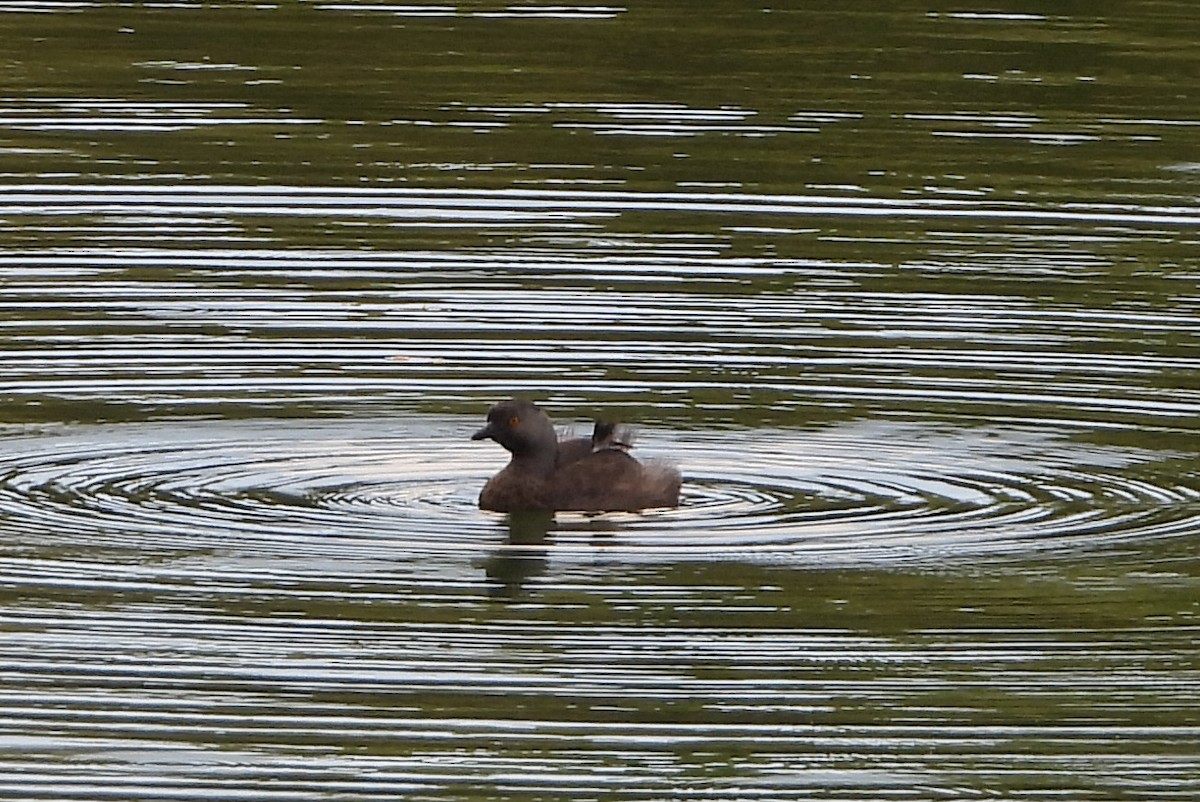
(579, 474)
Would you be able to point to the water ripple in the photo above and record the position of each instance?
(847, 495)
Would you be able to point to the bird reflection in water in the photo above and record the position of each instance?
(524, 555)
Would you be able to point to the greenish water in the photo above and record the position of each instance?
(909, 294)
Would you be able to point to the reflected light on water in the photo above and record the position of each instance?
(909, 295)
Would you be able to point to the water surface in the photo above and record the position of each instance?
(909, 294)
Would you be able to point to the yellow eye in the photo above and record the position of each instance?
(513, 421)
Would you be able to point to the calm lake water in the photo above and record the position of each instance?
(910, 295)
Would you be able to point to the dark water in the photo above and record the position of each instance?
(909, 294)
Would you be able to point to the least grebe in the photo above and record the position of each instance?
(580, 474)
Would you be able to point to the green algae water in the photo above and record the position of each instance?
(909, 295)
